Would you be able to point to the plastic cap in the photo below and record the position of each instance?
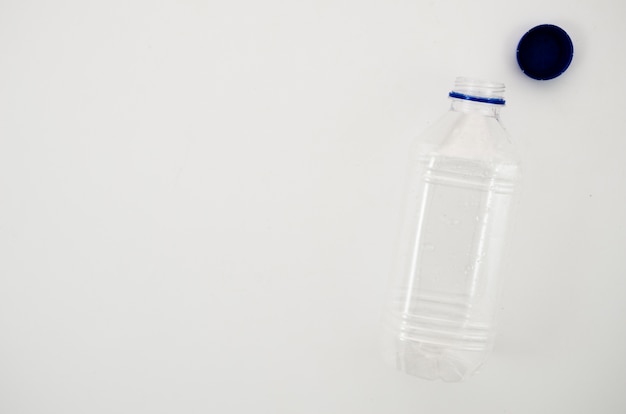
(545, 52)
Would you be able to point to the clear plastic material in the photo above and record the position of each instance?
(441, 314)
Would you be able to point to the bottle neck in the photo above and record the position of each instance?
(485, 109)
(477, 96)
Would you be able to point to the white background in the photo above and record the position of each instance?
(198, 204)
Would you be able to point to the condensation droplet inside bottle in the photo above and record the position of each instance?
(470, 203)
(450, 221)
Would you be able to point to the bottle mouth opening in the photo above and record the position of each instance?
(478, 90)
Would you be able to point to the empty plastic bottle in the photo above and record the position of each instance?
(441, 316)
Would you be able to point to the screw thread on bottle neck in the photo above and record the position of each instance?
(478, 91)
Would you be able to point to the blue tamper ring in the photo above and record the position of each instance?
(545, 52)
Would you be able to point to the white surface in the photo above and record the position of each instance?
(198, 203)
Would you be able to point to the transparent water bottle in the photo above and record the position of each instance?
(441, 314)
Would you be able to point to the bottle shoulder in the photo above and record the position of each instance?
(466, 135)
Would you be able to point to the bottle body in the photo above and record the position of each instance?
(442, 309)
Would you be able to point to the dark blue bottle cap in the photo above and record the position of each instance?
(545, 52)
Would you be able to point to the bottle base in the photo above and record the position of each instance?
(432, 362)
